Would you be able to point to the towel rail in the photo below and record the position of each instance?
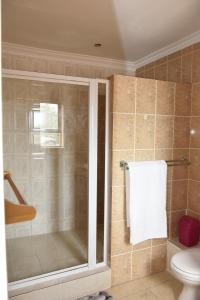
(170, 163)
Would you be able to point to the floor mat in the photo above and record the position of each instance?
(98, 296)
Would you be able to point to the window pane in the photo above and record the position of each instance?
(48, 116)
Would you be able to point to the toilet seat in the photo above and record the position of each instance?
(187, 263)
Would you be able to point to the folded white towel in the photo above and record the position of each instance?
(146, 183)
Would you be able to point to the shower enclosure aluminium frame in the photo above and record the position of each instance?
(49, 278)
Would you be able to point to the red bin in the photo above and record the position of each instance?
(189, 231)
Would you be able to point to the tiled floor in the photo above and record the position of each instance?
(160, 286)
(31, 256)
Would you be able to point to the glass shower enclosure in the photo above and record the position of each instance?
(55, 147)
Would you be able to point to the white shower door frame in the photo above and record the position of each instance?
(50, 278)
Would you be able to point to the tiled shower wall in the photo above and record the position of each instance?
(48, 178)
(150, 120)
(184, 66)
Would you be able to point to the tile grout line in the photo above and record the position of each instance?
(159, 115)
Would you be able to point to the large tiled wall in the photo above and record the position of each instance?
(184, 66)
(194, 170)
(181, 66)
(47, 177)
(150, 120)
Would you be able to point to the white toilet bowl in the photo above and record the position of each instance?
(185, 266)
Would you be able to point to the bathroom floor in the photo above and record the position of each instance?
(36, 255)
(160, 286)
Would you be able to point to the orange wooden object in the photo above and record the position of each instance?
(7, 176)
(15, 213)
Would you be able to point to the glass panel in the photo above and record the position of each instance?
(45, 149)
(47, 127)
(101, 169)
(49, 116)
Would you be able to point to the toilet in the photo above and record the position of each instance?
(185, 266)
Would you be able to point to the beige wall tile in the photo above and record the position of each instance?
(181, 132)
(165, 154)
(141, 69)
(194, 168)
(121, 268)
(141, 263)
(144, 154)
(120, 238)
(165, 98)
(123, 131)
(175, 217)
(195, 132)
(195, 100)
(196, 46)
(180, 172)
(188, 49)
(194, 196)
(150, 65)
(193, 214)
(169, 195)
(124, 94)
(187, 68)
(145, 96)
(179, 194)
(118, 203)
(150, 73)
(142, 245)
(161, 72)
(174, 55)
(144, 131)
(158, 259)
(174, 70)
(161, 60)
(164, 132)
(140, 74)
(156, 242)
(182, 99)
(196, 67)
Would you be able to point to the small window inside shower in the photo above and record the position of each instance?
(46, 121)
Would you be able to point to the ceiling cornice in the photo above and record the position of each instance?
(81, 59)
(67, 57)
(171, 48)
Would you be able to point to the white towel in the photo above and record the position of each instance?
(146, 183)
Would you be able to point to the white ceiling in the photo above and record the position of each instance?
(127, 29)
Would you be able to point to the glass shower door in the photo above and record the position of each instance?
(46, 137)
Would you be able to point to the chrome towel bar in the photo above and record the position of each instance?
(170, 163)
